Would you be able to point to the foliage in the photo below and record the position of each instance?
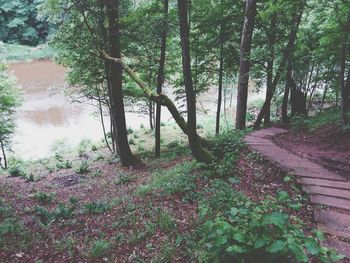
(21, 24)
(83, 167)
(14, 52)
(177, 180)
(326, 117)
(10, 99)
(248, 231)
(100, 248)
(45, 198)
(97, 207)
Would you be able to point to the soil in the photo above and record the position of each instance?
(328, 146)
(70, 240)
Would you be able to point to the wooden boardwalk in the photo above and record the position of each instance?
(325, 187)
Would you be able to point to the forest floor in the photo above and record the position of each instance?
(329, 147)
(89, 209)
(113, 214)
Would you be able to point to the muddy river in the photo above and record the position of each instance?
(47, 115)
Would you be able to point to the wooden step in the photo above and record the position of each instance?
(330, 201)
(313, 189)
(333, 223)
(323, 182)
(343, 248)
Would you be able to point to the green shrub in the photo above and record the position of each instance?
(166, 222)
(257, 232)
(16, 171)
(83, 168)
(45, 198)
(97, 207)
(65, 164)
(123, 178)
(177, 180)
(100, 248)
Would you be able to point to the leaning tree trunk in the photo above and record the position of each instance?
(197, 149)
(160, 77)
(244, 64)
(285, 57)
(117, 103)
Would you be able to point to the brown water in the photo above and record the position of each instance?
(47, 115)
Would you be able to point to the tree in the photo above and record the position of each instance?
(160, 77)
(197, 149)
(244, 68)
(115, 74)
(287, 52)
(20, 23)
(10, 99)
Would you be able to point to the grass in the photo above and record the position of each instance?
(18, 53)
(326, 117)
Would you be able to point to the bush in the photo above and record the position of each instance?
(100, 248)
(83, 168)
(16, 171)
(257, 232)
(97, 207)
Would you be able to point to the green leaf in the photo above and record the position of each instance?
(312, 247)
(277, 246)
(260, 243)
(239, 237)
(278, 219)
(220, 241)
(298, 252)
(282, 196)
(235, 249)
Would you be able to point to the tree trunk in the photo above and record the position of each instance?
(343, 86)
(160, 77)
(285, 57)
(100, 108)
(3, 155)
(324, 97)
(117, 102)
(197, 149)
(221, 72)
(271, 36)
(287, 89)
(244, 64)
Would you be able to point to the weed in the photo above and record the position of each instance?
(16, 171)
(97, 207)
(64, 164)
(83, 168)
(100, 248)
(123, 178)
(166, 222)
(44, 198)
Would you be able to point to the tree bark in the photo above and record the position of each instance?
(271, 36)
(117, 103)
(160, 77)
(285, 57)
(343, 86)
(3, 155)
(287, 89)
(221, 72)
(244, 64)
(197, 149)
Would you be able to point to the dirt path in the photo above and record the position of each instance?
(329, 190)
